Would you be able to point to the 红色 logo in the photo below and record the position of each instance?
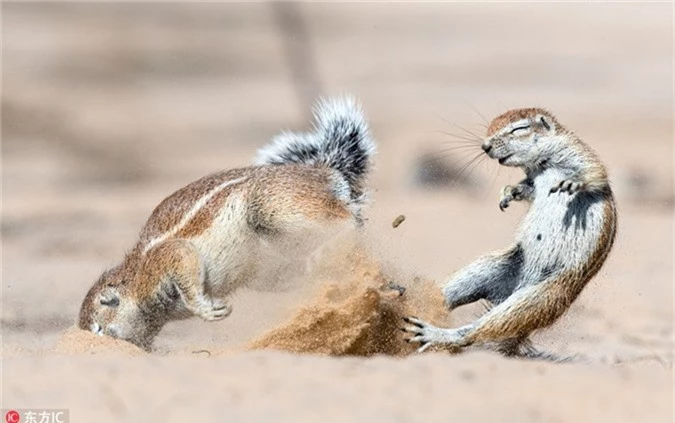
(12, 417)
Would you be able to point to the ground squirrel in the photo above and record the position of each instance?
(561, 244)
(201, 242)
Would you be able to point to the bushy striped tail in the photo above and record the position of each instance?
(340, 140)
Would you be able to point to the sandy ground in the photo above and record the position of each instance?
(106, 109)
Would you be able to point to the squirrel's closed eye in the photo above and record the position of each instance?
(110, 300)
(519, 128)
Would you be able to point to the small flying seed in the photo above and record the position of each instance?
(397, 221)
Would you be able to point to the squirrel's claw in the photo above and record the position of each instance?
(218, 310)
(427, 335)
(424, 347)
(414, 321)
(508, 194)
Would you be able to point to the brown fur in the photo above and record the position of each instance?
(172, 209)
(296, 192)
(278, 198)
(594, 177)
(211, 237)
(292, 191)
(515, 115)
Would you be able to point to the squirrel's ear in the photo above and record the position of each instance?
(545, 122)
(110, 297)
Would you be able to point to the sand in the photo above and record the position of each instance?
(108, 108)
(360, 316)
(76, 341)
(357, 313)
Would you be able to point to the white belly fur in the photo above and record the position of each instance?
(234, 254)
(228, 248)
(560, 231)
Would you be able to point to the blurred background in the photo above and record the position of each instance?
(108, 108)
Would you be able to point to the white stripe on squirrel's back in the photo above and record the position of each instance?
(191, 213)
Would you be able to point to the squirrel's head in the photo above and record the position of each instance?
(523, 137)
(109, 309)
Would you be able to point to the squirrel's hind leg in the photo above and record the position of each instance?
(523, 348)
(492, 277)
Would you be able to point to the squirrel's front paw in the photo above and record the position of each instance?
(508, 194)
(570, 186)
(215, 309)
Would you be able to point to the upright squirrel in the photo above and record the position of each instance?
(561, 244)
